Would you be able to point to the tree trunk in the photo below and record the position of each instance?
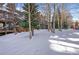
(32, 32)
(48, 16)
(62, 16)
(57, 14)
(54, 17)
(29, 15)
(54, 24)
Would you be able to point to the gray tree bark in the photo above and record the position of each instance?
(29, 15)
(62, 15)
(48, 16)
(54, 18)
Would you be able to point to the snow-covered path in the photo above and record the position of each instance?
(42, 43)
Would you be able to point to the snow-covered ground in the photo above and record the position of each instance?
(42, 43)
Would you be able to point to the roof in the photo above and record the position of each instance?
(19, 15)
(3, 9)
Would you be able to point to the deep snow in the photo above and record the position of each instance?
(42, 43)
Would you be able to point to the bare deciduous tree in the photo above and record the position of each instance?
(48, 16)
(62, 15)
(54, 17)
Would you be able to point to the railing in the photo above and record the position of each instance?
(3, 31)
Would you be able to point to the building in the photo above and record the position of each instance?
(8, 17)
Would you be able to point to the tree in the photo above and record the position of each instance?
(29, 17)
(54, 17)
(57, 21)
(62, 16)
(48, 16)
(58, 17)
(66, 18)
(33, 15)
(76, 24)
(24, 23)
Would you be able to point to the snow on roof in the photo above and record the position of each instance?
(16, 13)
(4, 9)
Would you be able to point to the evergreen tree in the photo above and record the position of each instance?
(33, 15)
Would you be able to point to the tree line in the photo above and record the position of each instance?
(61, 18)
